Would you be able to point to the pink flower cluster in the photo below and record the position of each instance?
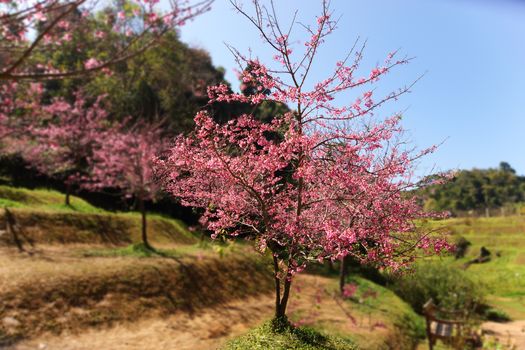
(125, 160)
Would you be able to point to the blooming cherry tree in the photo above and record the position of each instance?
(60, 137)
(324, 181)
(125, 160)
(7, 103)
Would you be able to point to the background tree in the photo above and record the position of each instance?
(331, 186)
(124, 160)
(67, 40)
(140, 87)
(61, 137)
(138, 24)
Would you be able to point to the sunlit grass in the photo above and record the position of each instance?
(264, 337)
(43, 199)
(504, 275)
(82, 222)
(139, 250)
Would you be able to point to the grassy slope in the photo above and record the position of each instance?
(264, 337)
(47, 220)
(43, 199)
(361, 322)
(69, 287)
(378, 307)
(503, 276)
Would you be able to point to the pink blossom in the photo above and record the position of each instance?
(349, 290)
(20, 18)
(91, 63)
(39, 16)
(99, 34)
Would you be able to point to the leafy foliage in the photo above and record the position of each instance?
(449, 287)
(143, 88)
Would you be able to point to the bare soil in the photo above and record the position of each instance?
(208, 329)
(511, 333)
(211, 327)
(57, 291)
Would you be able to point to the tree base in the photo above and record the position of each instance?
(280, 324)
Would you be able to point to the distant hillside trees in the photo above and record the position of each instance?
(477, 190)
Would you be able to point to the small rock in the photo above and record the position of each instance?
(42, 346)
(10, 322)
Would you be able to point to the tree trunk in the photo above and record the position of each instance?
(142, 209)
(277, 287)
(281, 302)
(343, 271)
(68, 195)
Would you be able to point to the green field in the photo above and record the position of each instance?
(503, 276)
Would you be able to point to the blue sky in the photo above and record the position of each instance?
(472, 51)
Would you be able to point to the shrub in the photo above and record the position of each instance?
(462, 245)
(408, 331)
(496, 315)
(449, 287)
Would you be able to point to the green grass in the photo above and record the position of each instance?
(43, 199)
(139, 250)
(304, 338)
(48, 220)
(372, 301)
(504, 275)
(375, 299)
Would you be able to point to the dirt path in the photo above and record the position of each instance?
(505, 332)
(209, 328)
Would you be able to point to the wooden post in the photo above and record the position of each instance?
(428, 310)
(10, 224)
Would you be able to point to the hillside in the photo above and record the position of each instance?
(84, 280)
(46, 219)
(479, 192)
(504, 237)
